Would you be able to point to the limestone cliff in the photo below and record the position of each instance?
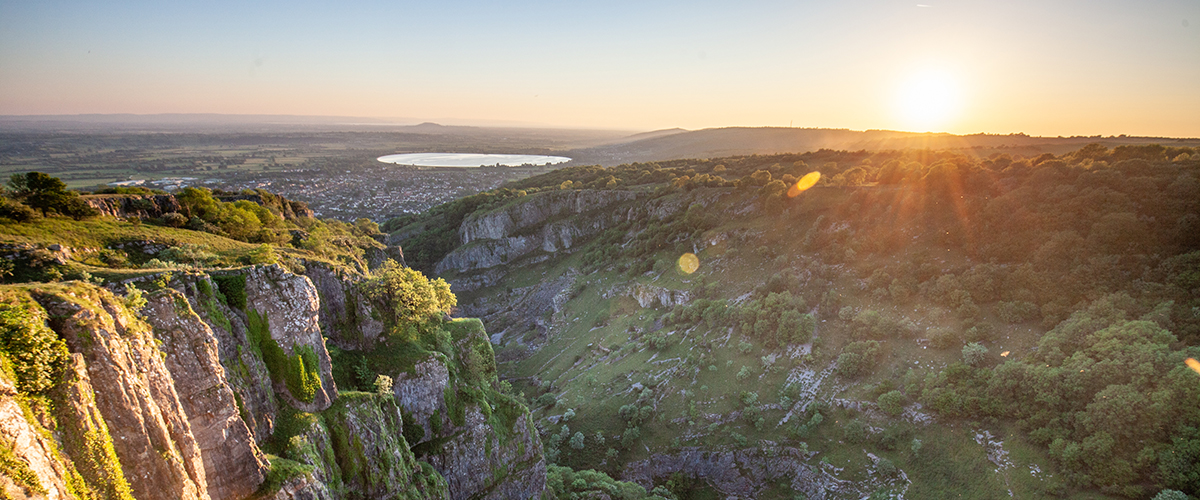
(233, 464)
(552, 222)
(483, 442)
(184, 397)
(133, 392)
(547, 222)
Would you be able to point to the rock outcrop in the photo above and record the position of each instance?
(133, 392)
(152, 206)
(485, 448)
(548, 222)
(346, 315)
(176, 400)
(134, 206)
(233, 464)
(30, 446)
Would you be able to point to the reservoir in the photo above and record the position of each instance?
(470, 159)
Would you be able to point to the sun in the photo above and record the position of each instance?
(928, 101)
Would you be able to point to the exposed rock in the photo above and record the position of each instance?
(302, 487)
(483, 254)
(537, 209)
(421, 393)
(156, 205)
(738, 473)
(134, 206)
(550, 222)
(291, 305)
(477, 459)
(30, 446)
(233, 464)
(653, 296)
(476, 449)
(346, 315)
(150, 431)
(366, 431)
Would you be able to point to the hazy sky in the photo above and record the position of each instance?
(1042, 67)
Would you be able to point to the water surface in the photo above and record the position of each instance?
(470, 159)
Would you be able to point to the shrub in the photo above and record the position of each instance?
(1017, 311)
(383, 385)
(857, 358)
(38, 357)
(408, 296)
(891, 403)
(233, 288)
(174, 219)
(134, 301)
(855, 431)
(974, 354)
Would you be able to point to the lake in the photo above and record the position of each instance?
(469, 159)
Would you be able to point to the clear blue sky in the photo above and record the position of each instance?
(1040, 67)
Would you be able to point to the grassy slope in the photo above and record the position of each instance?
(595, 383)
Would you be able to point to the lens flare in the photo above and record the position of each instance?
(689, 263)
(809, 180)
(1193, 364)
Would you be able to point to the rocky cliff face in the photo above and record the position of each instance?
(233, 464)
(134, 206)
(346, 315)
(549, 222)
(552, 222)
(153, 206)
(485, 447)
(133, 392)
(178, 400)
(536, 210)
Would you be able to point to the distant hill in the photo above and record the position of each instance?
(732, 141)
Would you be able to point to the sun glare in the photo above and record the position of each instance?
(928, 101)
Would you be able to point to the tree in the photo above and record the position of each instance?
(49, 194)
(577, 441)
(408, 295)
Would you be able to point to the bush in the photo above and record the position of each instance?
(408, 296)
(17, 211)
(974, 354)
(174, 219)
(37, 356)
(891, 403)
(233, 288)
(857, 358)
(855, 431)
(1017, 312)
(383, 385)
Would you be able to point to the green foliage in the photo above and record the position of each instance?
(1016, 312)
(134, 300)
(300, 371)
(409, 298)
(281, 471)
(37, 356)
(48, 194)
(562, 482)
(383, 385)
(891, 402)
(233, 288)
(974, 354)
(857, 358)
(855, 431)
(1170, 495)
(18, 471)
